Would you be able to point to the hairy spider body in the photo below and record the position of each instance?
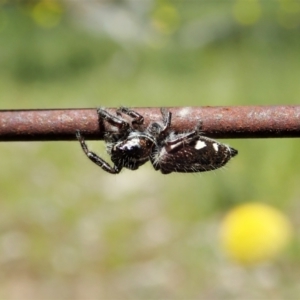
(132, 152)
(197, 154)
(167, 151)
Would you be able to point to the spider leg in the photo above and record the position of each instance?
(137, 118)
(199, 126)
(113, 120)
(95, 158)
(167, 117)
(181, 141)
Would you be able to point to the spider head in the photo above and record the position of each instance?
(132, 152)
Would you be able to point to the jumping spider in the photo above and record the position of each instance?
(167, 151)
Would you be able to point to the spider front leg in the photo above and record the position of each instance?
(137, 118)
(113, 120)
(95, 158)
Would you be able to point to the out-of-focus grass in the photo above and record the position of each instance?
(69, 230)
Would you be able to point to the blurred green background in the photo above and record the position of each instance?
(68, 230)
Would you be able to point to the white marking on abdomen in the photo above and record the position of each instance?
(216, 146)
(200, 145)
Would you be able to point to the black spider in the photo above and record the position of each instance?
(167, 151)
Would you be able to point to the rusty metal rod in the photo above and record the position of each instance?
(218, 122)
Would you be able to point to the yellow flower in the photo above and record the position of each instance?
(166, 18)
(254, 232)
(47, 13)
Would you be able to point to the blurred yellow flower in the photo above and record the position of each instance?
(47, 13)
(166, 18)
(254, 232)
(247, 12)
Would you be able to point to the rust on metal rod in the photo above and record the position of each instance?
(218, 122)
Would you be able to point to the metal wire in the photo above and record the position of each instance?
(218, 122)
